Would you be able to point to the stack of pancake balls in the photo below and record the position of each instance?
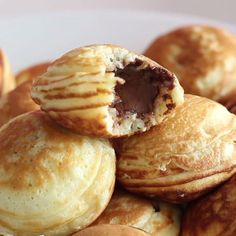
(104, 141)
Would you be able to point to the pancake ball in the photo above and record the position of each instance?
(52, 181)
(154, 217)
(202, 57)
(108, 91)
(17, 102)
(186, 156)
(214, 214)
(31, 72)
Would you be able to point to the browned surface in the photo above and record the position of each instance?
(214, 214)
(21, 139)
(1, 73)
(16, 102)
(31, 72)
(230, 102)
(111, 230)
(78, 91)
(192, 53)
(187, 155)
(7, 80)
(125, 208)
(153, 216)
(52, 181)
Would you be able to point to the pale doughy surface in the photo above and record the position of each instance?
(52, 181)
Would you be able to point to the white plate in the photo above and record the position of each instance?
(35, 38)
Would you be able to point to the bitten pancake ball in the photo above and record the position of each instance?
(106, 90)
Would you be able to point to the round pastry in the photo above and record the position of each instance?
(157, 218)
(111, 230)
(214, 214)
(7, 80)
(16, 102)
(52, 181)
(106, 90)
(202, 57)
(187, 155)
(31, 72)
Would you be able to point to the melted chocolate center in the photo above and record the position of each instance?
(141, 87)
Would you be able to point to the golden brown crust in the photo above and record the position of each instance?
(155, 217)
(214, 214)
(190, 153)
(52, 181)
(31, 72)
(126, 208)
(114, 230)
(78, 91)
(230, 102)
(202, 57)
(7, 80)
(17, 102)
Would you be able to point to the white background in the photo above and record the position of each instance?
(215, 9)
(35, 31)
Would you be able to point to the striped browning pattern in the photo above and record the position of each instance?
(78, 87)
(186, 156)
(78, 91)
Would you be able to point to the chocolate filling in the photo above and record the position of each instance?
(141, 87)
